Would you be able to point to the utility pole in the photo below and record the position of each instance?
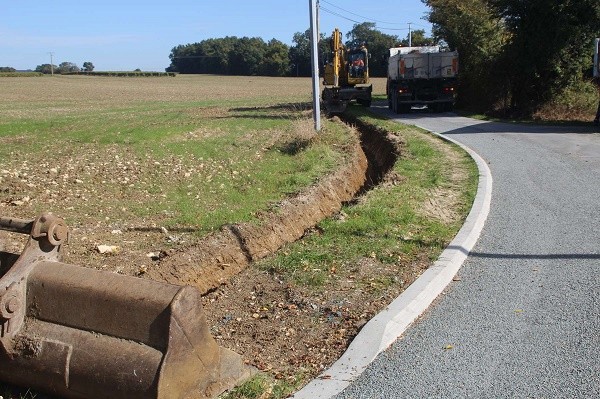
(409, 35)
(51, 63)
(314, 60)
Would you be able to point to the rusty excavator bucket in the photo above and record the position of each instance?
(76, 332)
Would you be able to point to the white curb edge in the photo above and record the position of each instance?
(387, 326)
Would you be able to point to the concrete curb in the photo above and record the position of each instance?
(387, 326)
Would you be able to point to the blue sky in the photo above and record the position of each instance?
(125, 35)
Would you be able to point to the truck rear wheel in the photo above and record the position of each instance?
(437, 107)
(394, 102)
(363, 102)
(404, 108)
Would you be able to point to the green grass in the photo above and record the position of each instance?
(256, 386)
(386, 224)
(204, 162)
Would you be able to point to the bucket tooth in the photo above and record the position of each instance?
(76, 332)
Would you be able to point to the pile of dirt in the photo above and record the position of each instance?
(295, 332)
(277, 326)
(218, 257)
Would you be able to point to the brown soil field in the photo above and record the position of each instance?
(256, 313)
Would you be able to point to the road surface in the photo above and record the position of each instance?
(523, 318)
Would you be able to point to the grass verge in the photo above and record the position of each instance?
(354, 264)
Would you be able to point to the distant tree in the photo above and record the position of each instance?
(299, 54)
(66, 67)
(247, 56)
(137, 70)
(418, 39)
(46, 68)
(231, 56)
(275, 61)
(208, 56)
(88, 66)
(7, 69)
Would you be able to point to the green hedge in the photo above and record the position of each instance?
(20, 74)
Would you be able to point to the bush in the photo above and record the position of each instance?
(576, 102)
(20, 74)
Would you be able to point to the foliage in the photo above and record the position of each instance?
(46, 68)
(550, 46)
(299, 54)
(470, 27)
(418, 39)
(231, 56)
(275, 59)
(66, 67)
(88, 66)
(517, 56)
(7, 69)
(252, 56)
(576, 102)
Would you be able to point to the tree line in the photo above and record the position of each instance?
(518, 55)
(253, 56)
(64, 67)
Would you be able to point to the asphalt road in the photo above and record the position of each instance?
(523, 319)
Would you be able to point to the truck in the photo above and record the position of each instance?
(346, 76)
(421, 76)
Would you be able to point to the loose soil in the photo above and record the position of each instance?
(289, 331)
(296, 332)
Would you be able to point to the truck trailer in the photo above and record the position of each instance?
(421, 76)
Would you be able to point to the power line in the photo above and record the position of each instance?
(355, 21)
(363, 18)
(360, 16)
(337, 14)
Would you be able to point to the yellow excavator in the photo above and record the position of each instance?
(346, 76)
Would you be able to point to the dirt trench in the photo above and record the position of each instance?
(223, 254)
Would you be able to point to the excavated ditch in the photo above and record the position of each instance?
(224, 254)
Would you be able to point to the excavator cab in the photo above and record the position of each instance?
(358, 66)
